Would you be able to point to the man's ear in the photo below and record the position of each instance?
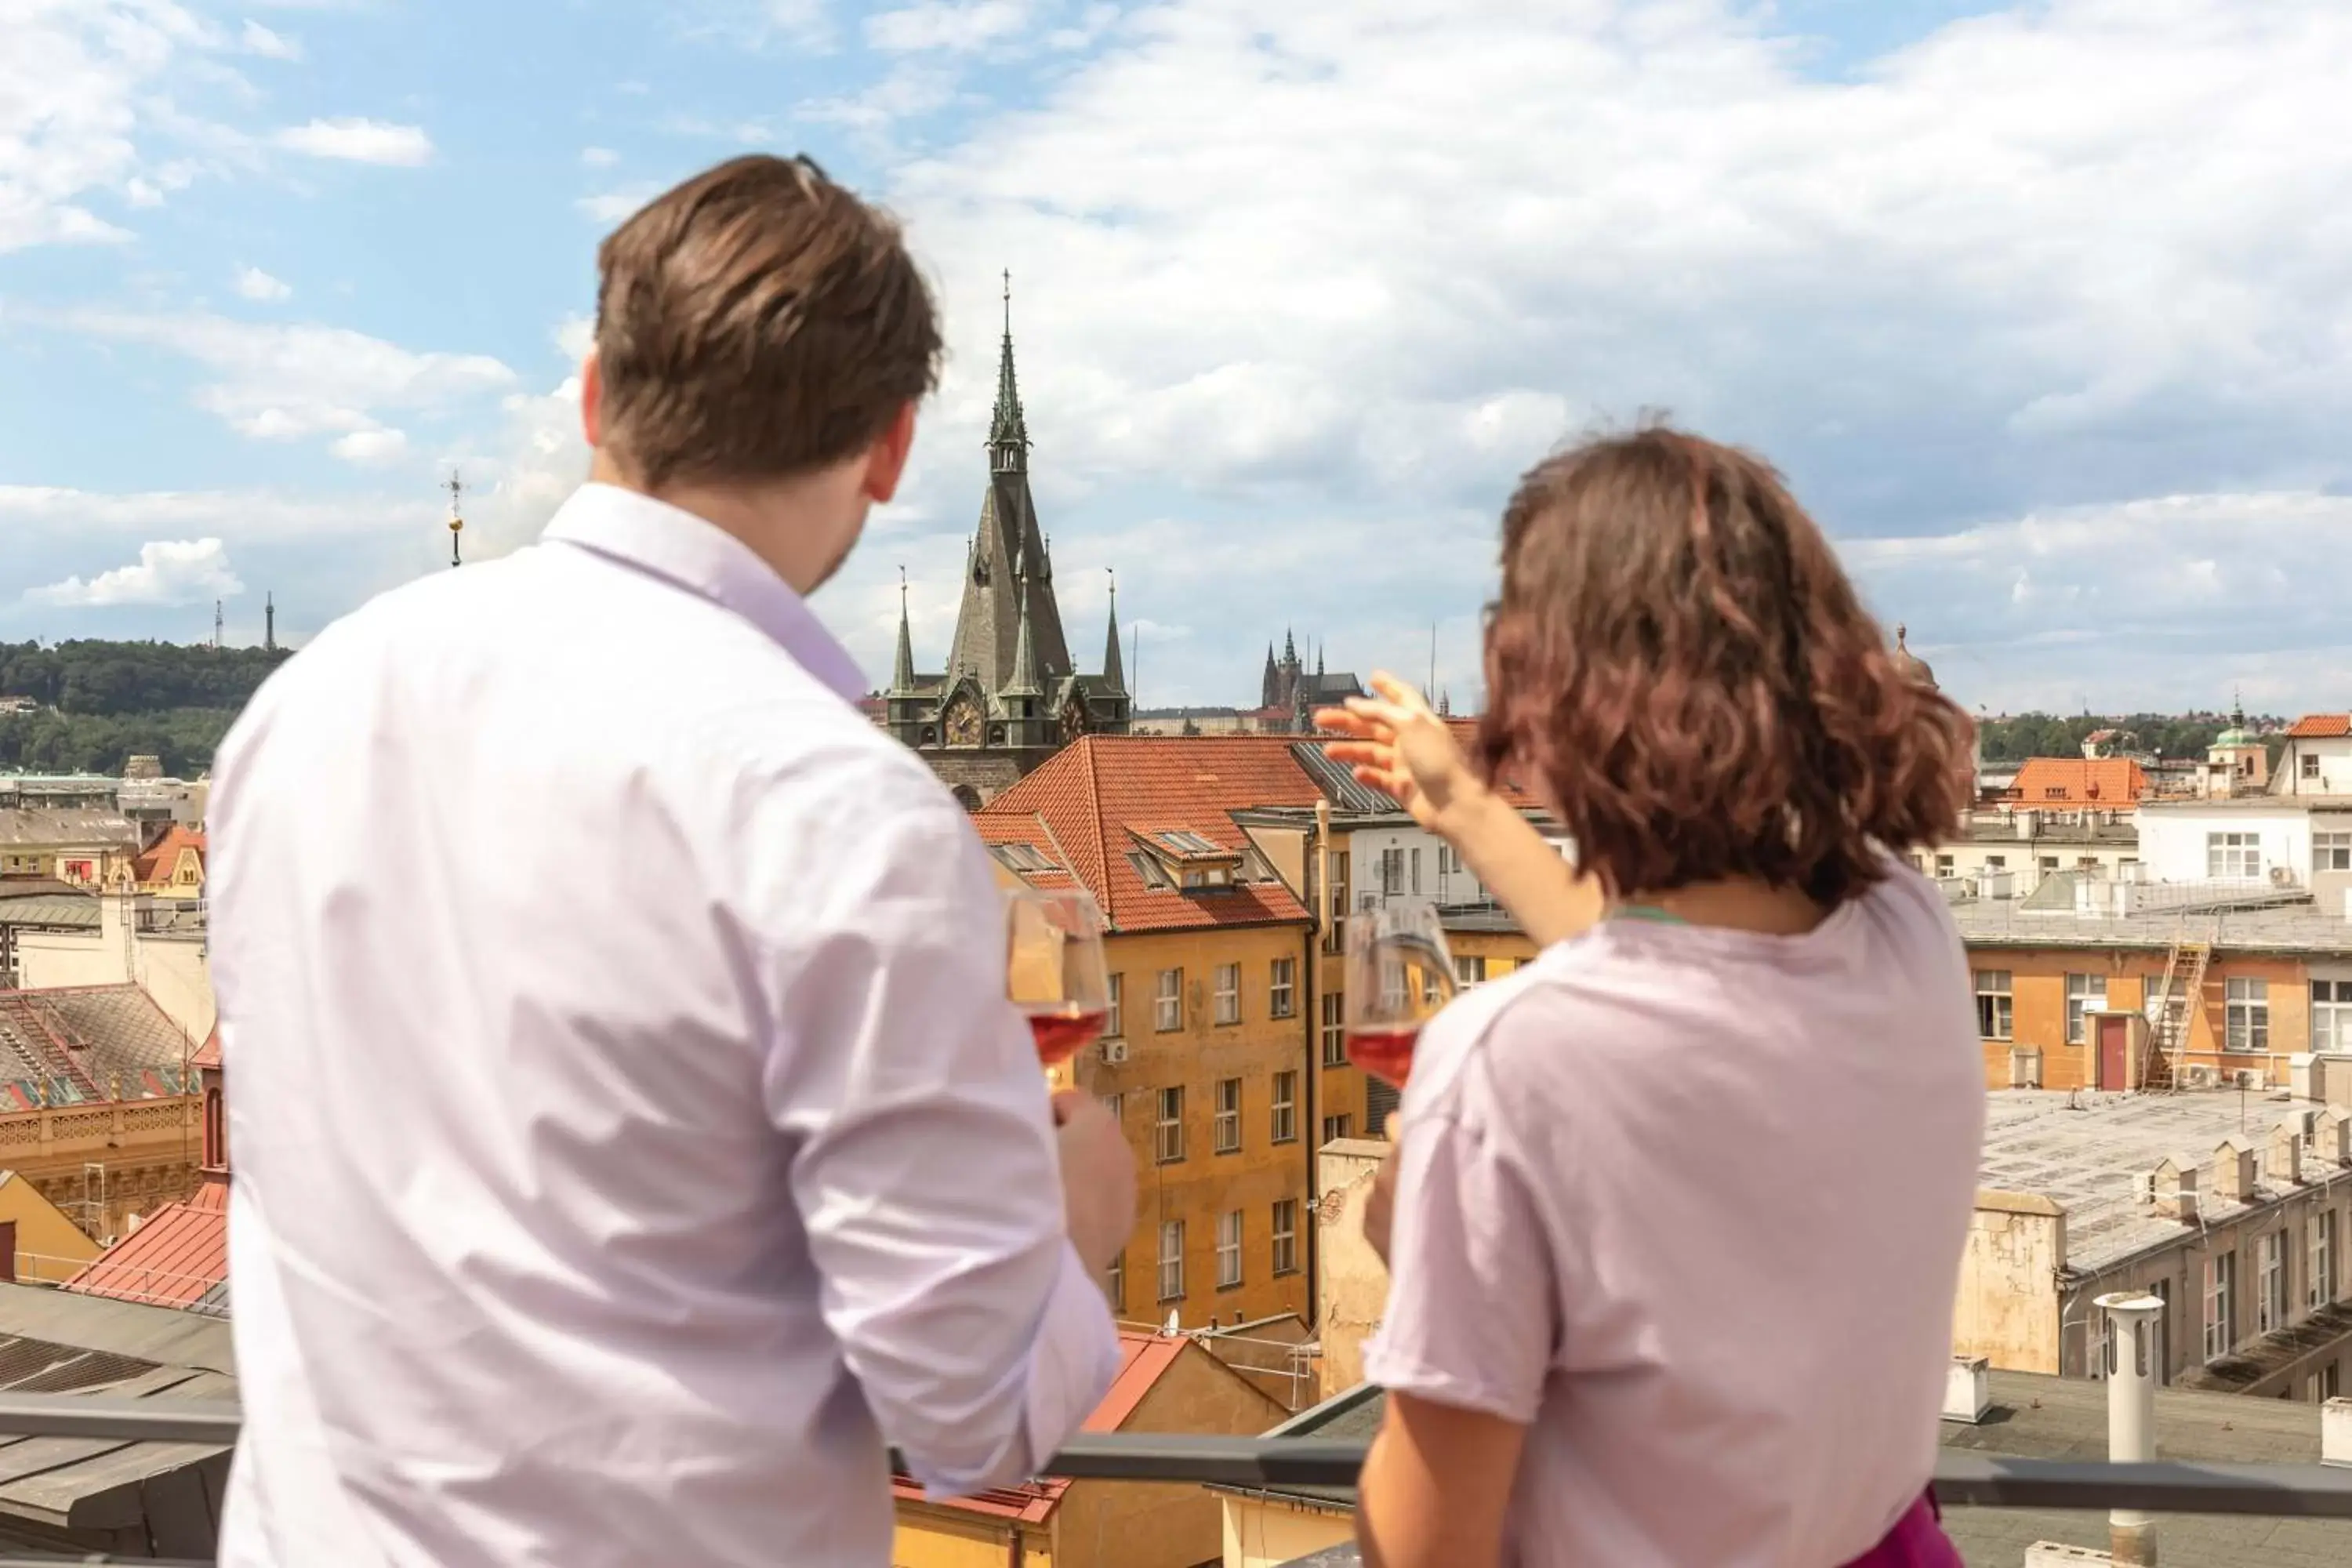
(592, 400)
(885, 462)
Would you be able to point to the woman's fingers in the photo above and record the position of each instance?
(1397, 693)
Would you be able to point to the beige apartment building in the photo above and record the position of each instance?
(2233, 1207)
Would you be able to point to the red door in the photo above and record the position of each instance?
(2115, 1035)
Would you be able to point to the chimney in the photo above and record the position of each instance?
(2331, 1138)
(2336, 1433)
(2132, 1375)
(2233, 1170)
(2285, 1164)
(2173, 1189)
(1968, 1389)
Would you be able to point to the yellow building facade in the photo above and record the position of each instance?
(42, 1246)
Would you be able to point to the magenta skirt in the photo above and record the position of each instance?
(1917, 1540)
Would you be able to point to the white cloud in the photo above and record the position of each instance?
(954, 25)
(359, 141)
(598, 157)
(260, 40)
(59, 513)
(284, 383)
(382, 446)
(175, 572)
(575, 335)
(612, 206)
(253, 283)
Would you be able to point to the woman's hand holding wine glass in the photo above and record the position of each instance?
(1054, 969)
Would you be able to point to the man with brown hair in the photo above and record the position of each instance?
(632, 1132)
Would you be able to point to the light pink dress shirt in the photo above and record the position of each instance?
(631, 1131)
(1689, 1202)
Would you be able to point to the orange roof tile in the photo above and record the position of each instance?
(162, 858)
(2078, 781)
(173, 1259)
(1143, 1360)
(1465, 735)
(1090, 794)
(2321, 727)
(208, 1054)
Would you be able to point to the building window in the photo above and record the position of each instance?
(2084, 993)
(2321, 1289)
(1994, 1003)
(1168, 1007)
(2049, 864)
(1115, 1281)
(1168, 1145)
(1391, 872)
(1171, 1260)
(2233, 856)
(1285, 1236)
(1229, 1116)
(2310, 767)
(1336, 1127)
(1335, 1030)
(1229, 1249)
(2330, 1382)
(1285, 1107)
(2221, 1315)
(2331, 1015)
(1116, 1106)
(2331, 852)
(1416, 869)
(1943, 865)
(1470, 968)
(2270, 1282)
(1229, 993)
(2249, 1015)
(1282, 989)
(1115, 1019)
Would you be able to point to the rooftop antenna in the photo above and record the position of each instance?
(1429, 693)
(217, 623)
(1134, 666)
(269, 623)
(456, 489)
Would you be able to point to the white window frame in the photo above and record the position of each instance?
(2085, 993)
(1470, 968)
(1228, 1138)
(1168, 1127)
(1171, 1260)
(2221, 1309)
(1226, 992)
(2331, 1015)
(2233, 856)
(2319, 1282)
(1995, 1004)
(2310, 766)
(1335, 1029)
(1340, 1126)
(1167, 1003)
(1416, 868)
(1283, 1249)
(2246, 1015)
(2270, 1282)
(2331, 851)
(1282, 988)
(1229, 1249)
(1115, 1015)
(1284, 1121)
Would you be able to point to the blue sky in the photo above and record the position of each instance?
(2042, 308)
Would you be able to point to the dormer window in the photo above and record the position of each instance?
(1022, 857)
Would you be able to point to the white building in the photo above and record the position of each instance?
(2318, 757)
(2254, 841)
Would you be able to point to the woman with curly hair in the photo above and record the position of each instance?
(1676, 1214)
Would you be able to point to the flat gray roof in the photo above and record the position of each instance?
(2289, 923)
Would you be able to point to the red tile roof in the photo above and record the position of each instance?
(2321, 727)
(174, 1260)
(208, 1054)
(1143, 1360)
(2076, 781)
(1089, 794)
(162, 858)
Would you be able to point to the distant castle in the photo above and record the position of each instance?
(1010, 695)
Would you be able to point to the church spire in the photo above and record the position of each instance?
(1113, 676)
(902, 673)
(1008, 432)
(1027, 678)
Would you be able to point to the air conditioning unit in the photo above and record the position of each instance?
(2282, 875)
(2203, 1076)
(1114, 1052)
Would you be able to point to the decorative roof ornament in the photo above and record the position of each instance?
(1910, 663)
(1008, 431)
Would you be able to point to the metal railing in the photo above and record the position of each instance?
(1963, 1479)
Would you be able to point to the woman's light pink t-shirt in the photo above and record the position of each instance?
(1689, 1202)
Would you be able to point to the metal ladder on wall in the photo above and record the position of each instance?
(2183, 982)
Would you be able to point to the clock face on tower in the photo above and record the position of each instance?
(1074, 718)
(963, 722)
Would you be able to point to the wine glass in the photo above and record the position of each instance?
(1053, 968)
(1399, 975)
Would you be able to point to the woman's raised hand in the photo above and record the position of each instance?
(1396, 745)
